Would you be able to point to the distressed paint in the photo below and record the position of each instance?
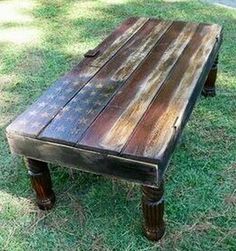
(98, 92)
(119, 42)
(57, 96)
(170, 110)
(125, 119)
(136, 102)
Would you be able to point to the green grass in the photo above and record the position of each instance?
(92, 212)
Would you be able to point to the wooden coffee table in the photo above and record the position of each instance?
(120, 111)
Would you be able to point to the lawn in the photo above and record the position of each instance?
(41, 40)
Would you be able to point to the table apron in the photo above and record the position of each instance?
(89, 161)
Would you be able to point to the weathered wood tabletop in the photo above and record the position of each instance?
(127, 100)
(121, 110)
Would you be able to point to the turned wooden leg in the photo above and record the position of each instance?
(41, 183)
(153, 210)
(209, 86)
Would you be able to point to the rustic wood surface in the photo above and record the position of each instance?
(90, 161)
(41, 112)
(81, 110)
(121, 110)
(127, 100)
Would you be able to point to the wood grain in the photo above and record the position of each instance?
(120, 112)
(89, 161)
(126, 109)
(41, 112)
(117, 44)
(165, 118)
(131, 104)
(79, 113)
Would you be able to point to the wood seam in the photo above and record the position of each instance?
(155, 96)
(125, 82)
(203, 75)
(99, 69)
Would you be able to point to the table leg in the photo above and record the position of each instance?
(153, 210)
(209, 86)
(41, 183)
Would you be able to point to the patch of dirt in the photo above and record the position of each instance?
(231, 200)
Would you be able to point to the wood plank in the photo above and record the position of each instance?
(157, 133)
(119, 42)
(115, 124)
(40, 113)
(89, 161)
(78, 114)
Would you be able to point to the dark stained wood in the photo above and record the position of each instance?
(69, 125)
(55, 98)
(41, 183)
(137, 101)
(89, 161)
(128, 106)
(158, 130)
(153, 211)
(115, 43)
(121, 110)
(209, 89)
